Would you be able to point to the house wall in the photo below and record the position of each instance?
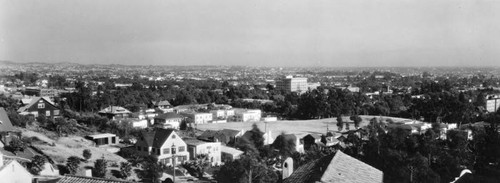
(140, 124)
(173, 122)
(248, 116)
(181, 156)
(213, 151)
(45, 108)
(15, 173)
(102, 141)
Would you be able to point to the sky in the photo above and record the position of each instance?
(330, 33)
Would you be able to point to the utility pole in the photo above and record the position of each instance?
(173, 160)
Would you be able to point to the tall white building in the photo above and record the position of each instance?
(292, 84)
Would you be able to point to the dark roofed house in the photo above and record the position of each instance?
(228, 136)
(115, 112)
(224, 136)
(310, 139)
(164, 104)
(336, 168)
(38, 106)
(208, 135)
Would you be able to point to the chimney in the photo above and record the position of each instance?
(88, 172)
(287, 168)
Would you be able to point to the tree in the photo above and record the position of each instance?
(183, 125)
(125, 169)
(16, 145)
(100, 168)
(356, 120)
(37, 164)
(340, 122)
(200, 164)
(87, 154)
(152, 170)
(73, 163)
(247, 169)
(284, 145)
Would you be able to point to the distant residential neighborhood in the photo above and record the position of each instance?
(113, 123)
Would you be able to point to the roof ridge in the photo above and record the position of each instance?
(96, 178)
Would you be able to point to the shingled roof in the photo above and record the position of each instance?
(81, 179)
(338, 168)
(35, 101)
(157, 137)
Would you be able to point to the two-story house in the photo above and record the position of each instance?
(197, 117)
(163, 105)
(115, 112)
(168, 120)
(40, 106)
(164, 144)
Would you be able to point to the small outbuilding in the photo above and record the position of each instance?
(104, 139)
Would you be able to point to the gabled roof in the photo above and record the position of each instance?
(35, 101)
(313, 135)
(194, 142)
(163, 102)
(5, 123)
(81, 179)
(309, 172)
(229, 132)
(338, 168)
(148, 137)
(207, 135)
(344, 168)
(114, 110)
(157, 137)
(169, 115)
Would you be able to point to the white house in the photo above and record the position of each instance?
(164, 144)
(211, 149)
(248, 115)
(222, 114)
(230, 154)
(198, 118)
(168, 120)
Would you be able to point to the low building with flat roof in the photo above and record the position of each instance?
(211, 149)
(229, 154)
(104, 139)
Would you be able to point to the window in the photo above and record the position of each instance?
(47, 113)
(166, 151)
(173, 136)
(139, 148)
(41, 105)
(56, 112)
(182, 148)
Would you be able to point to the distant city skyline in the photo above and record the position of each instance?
(287, 33)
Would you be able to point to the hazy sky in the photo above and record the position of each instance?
(253, 32)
